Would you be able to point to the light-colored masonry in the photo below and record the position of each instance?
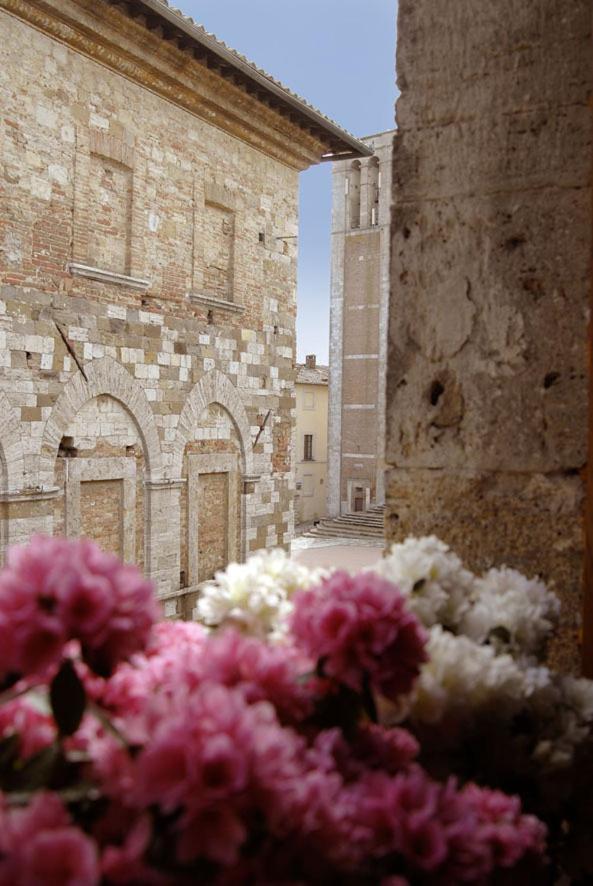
(361, 211)
(148, 209)
(491, 264)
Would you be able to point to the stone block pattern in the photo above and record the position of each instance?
(490, 271)
(98, 171)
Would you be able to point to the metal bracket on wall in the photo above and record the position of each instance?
(70, 349)
(261, 428)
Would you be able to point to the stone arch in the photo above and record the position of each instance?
(104, 376)
(213, 387)
(12, 463)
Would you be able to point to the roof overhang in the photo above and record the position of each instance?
(341, 144)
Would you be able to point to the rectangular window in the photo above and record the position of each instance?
(308, 453)
(309, 400)
(308, 490)
(110, 229)
(219, 246)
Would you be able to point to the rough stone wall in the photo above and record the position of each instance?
(491, 251)
(361, 214)
(113, 375)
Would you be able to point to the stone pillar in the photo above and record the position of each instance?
(247, 490)
(491, 252)
(161, 533)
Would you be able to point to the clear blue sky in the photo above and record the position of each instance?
(339, 55)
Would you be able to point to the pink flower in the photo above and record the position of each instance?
(357, 628)
(216, 833)
(125, 864)
(167, 767)
(54, 590)
(60, 857)
(38, 845)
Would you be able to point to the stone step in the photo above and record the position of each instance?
(363, 525)
(344, 531)
(363, 521)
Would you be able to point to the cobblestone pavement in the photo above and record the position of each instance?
(345, 553)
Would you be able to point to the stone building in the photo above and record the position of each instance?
(148, 205)
(361, 215)
(491, 272)
(311, 441)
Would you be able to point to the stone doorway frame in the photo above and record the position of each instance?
(81, 470)
(215, 463)
(364, 484)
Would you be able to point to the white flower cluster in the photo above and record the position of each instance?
(501, 608)
(461, 678)
(432, 577)
(255, 596)
(486, 637)
(564, 710)
(511, 612)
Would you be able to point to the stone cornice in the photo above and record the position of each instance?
(210, 301)
(103, 276)
(38, 493)
(109, 36)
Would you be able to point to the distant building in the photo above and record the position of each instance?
(358, 328)
(311, 441)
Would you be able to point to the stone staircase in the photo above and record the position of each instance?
(364, 525)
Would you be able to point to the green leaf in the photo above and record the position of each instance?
(68, 698)
(39, 771)
(9, 751)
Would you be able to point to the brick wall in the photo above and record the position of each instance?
(99, 173)
(101, 513)
(212, 524)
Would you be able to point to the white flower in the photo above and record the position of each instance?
(511, 612)
(463, 678)
(255, 596)
(432, 577)
(578, 695)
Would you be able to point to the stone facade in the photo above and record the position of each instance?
(311, 441)
(147, 298)
(491, 261)
(361, 217)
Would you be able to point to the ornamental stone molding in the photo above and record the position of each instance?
(11, 448)
(104, 376)
(213, 388)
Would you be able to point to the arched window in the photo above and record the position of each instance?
(354, 194)
(374, 188)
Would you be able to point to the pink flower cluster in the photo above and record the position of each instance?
(220, 758)
(40, 845)
(181, 657)
(55, 590)
(357, 628)
(222, 763)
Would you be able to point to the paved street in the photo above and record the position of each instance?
(346, 553)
